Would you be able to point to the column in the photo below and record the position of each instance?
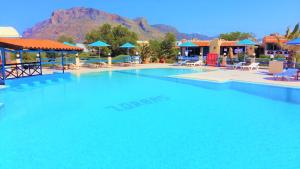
(62, 62)
(3, 64)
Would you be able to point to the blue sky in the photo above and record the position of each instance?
(260, 17)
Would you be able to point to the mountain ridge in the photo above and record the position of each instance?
(78, 21)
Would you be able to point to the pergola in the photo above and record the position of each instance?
(21, 45)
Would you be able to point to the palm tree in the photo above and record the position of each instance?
(293, 34)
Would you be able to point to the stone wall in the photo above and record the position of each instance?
(215, 46)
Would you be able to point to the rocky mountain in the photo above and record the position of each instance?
(166, 28)
(76, 22)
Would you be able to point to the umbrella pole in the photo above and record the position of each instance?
(245, 54)
(99, 52)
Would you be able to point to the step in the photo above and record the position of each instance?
(1, 106)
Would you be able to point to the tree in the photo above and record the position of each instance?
(154, 46)
(114, 36)
(234, 36)
(167, 47)
(290, 35)
(160, 50)
(145, 52)
(65, 38)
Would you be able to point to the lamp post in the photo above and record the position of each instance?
(109, 60)
(18, 59)
(77, 60)
(224, 59)
(38, 59)
(136, 58)
(178, 57)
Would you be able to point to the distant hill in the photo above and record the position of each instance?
(76, 22)
(166, 28)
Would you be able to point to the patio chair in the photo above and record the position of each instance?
(288, 74)
(91, 65)
(125, 64)
(181, 63)
(198, 63)
(252, 66)
(60, 67)
(102, 65)
(235, 66)
(74, 67)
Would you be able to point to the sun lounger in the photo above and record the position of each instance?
(102, 65)
(252, 66)
(198, 63)
(91, 65)
(73, 67)
(235, 66)
(182, 63)
(60, 67)
(288, 74)
(124, 64)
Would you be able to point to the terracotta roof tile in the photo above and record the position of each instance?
(35, 44)
(229, 43)
(274, 39)
(202, 43)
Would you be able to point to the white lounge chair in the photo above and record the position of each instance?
(198, 63)
(288, 74)
(181, 63)
(252, 66)
(236, 66)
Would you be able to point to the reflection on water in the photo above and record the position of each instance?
(291, 95)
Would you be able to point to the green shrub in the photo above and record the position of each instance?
(121, 57)
(29, 57)
(264, 56)
(297, 57)
(84, 55)
(279, 57)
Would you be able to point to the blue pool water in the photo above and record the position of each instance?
(143, 119)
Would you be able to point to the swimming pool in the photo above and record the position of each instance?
(145, 119)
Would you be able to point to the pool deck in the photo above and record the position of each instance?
(220, 75)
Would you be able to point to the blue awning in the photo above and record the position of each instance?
(127, 45)
(246, 42)
(294, 42)
(188, 44)
(99, 44)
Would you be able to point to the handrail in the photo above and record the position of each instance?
(17, 64)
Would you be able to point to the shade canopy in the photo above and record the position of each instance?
(99, 44)
(127, 45)
(188, 44)
(294, 42)
(35, 44)
(246, 42)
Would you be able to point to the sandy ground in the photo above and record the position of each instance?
(213, 74)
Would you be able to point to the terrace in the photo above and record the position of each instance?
(19, 46)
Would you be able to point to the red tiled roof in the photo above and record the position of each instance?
(274, 39)
(35, 44)
(229, 43)
(202, 43)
